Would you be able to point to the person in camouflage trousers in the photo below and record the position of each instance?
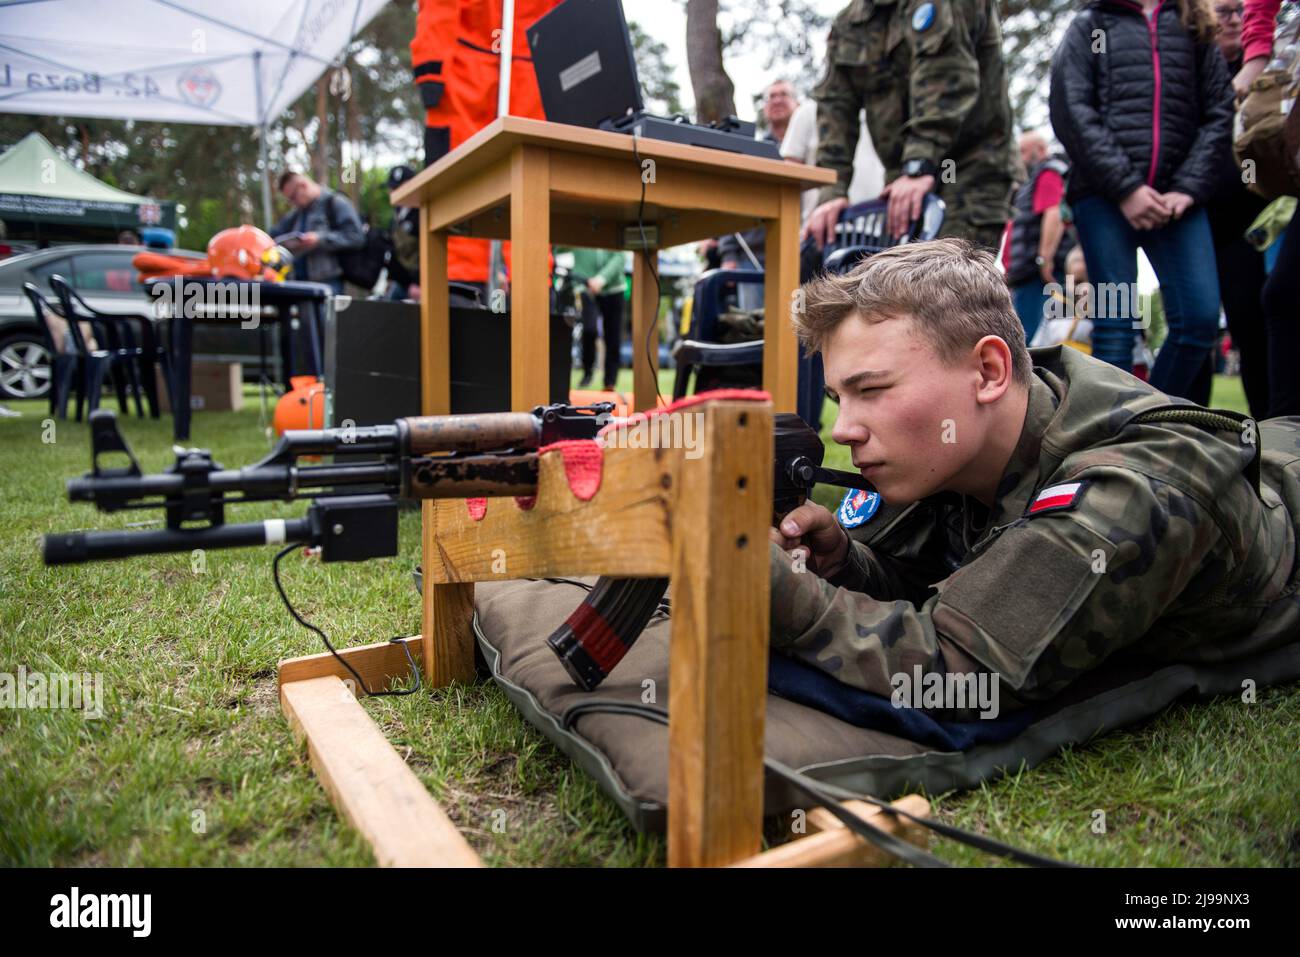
(930, 75)
(1042, 512)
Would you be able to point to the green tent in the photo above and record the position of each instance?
(38, 187)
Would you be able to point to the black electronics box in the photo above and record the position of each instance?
(372, 361)
(355, 528)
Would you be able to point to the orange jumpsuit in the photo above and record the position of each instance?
(456, 61)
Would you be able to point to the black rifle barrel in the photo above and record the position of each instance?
(255, 482)
(73, 548)
(415, 435)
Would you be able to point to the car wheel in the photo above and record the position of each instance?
(24, 367)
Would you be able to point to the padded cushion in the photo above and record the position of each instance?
(627, 752)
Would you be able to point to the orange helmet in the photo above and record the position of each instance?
(245, 252)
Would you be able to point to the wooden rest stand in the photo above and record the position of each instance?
(697, 516)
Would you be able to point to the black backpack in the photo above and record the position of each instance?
(361, 266)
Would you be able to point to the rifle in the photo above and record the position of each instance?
(452, 456)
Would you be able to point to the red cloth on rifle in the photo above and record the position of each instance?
(583, 465)
(583, 461)
(746, 395)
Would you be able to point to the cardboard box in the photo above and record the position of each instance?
(214, 387)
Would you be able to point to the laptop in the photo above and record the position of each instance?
(586, 73)
(586, 70)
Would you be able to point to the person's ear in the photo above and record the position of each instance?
(995, 368)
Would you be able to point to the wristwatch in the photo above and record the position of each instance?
(919, 167)
(1039, 260)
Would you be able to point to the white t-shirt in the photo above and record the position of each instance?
(800, 143)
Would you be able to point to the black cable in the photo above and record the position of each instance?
(886, 841)
(652, 263)
(565, 581)
(415, 672)
(978, 841)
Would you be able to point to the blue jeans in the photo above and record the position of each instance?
(1182, 254)
(1030, 300)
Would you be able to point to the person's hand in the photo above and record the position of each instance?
(595, 284)
(821, 224)
(811, 529)
(308, 241)
(905, 195)
(413, 292)
(1178, 203)
(1045, 270)
(1249, 72)
(730, 264)
(1144, 208)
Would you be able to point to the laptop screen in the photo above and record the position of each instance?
(582, 54)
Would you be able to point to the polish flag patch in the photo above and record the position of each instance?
(1057, 497)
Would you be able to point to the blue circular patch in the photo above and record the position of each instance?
(923, 18)
(858, 506)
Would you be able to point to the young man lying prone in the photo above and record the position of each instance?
(1042, 512)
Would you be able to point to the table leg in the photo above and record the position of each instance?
(314, 315)
(287, 370)
(435, 325)
(780, 349)
(645, 327)
(448, 649)
(182, 367)
(530, 293)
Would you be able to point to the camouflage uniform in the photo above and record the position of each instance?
(1168, 552)
(929, 74)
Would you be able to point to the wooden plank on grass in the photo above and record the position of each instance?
(378, 664)
(370, 785)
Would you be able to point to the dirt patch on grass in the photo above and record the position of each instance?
(264, 699)
(491, 805)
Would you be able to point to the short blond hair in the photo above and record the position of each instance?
(950, 288)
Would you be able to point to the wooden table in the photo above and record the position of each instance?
(537, 183)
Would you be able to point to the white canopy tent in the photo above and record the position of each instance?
(214, 62)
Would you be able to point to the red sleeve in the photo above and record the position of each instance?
(1257, 28)
(1048, 191)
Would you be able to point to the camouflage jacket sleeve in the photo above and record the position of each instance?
(903, 556)
(877, 575)
(944, 83)
(838, 104)
(1038, 602)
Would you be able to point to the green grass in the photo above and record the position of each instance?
(193, 734)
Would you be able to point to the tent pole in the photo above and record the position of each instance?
(265, 176)
(507, 56)
(496, 258)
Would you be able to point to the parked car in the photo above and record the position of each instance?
(104, 276)
(11, 247)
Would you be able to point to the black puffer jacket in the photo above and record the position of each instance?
(1155, 107)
